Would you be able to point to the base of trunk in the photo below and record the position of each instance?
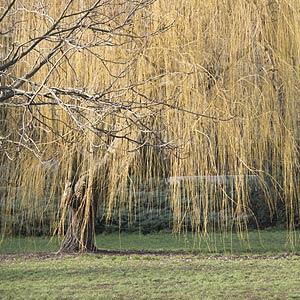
(78, 238)
(73, 244)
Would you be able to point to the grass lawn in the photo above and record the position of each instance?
(149, 277)
(264, 271)
(264, 242)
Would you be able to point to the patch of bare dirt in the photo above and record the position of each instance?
(184, 254)
(40, 256)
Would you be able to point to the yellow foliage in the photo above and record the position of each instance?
(221, 89)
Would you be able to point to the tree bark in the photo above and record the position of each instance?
(74, 198)
(80, 234)
(73, 240)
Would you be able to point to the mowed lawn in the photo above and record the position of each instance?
(264, 242)
(150, 277)
(256, 273)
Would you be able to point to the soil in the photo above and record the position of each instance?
(99, 252)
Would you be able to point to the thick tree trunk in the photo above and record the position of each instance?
(78, 238)
(80, 233)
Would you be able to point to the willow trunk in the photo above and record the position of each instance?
(80, 234)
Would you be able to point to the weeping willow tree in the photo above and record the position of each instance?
(102, 98)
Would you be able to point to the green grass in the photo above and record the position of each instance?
(149, 277)
(235, 271)
(264, 242)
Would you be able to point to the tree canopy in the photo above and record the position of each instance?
(102, 99)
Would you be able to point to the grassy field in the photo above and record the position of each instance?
(267, 270)
(264, 242)
(149, 277)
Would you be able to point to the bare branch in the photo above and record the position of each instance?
(7, 10)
